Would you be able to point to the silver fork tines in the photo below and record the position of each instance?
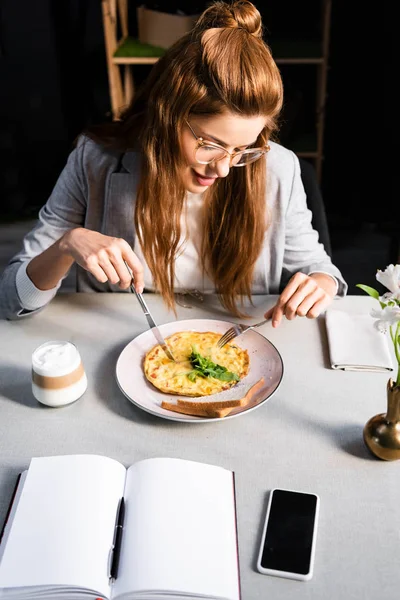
(236, 330)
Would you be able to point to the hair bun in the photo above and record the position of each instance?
(239, 14)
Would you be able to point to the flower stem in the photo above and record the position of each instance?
(395, 339)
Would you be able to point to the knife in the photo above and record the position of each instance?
(150, 320)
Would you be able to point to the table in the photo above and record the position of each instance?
(308, 436)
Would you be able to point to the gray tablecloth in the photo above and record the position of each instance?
(307, 437)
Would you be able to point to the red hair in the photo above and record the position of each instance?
(198, 75)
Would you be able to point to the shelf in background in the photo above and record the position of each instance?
(131, 51)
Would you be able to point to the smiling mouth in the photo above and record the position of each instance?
(204, 177)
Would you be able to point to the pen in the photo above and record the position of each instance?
(117, 539)
(10, 507)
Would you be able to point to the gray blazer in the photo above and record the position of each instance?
(96, 190)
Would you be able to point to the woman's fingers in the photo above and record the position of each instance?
(302, 297)
(93, 267)
(121, 265)
(286, 305)
(105, 257)
(129, 267)
(107, 264)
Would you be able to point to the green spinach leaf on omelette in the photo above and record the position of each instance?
(204, 367)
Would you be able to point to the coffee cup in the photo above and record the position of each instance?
(58, 376)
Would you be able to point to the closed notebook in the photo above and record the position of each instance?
(178, 537)
(355, 344)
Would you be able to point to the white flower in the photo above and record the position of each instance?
(387, 316)
(390, 298)
(390, 278)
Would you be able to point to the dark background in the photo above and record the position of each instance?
(53, 83)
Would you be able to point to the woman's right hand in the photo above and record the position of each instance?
(103, 256)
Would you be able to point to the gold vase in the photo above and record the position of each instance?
(382, 432)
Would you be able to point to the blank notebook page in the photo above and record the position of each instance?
(180, 530)
(64, 523)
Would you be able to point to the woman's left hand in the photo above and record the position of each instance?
(304, 296)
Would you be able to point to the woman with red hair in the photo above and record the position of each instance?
(188, 188)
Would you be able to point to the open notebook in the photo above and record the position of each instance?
(179, 537)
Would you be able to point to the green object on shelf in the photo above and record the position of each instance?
(133, 48)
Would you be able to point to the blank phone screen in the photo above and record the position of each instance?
(289, 534)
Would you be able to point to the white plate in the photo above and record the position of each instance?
(265, 361)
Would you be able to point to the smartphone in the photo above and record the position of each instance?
(289, 535)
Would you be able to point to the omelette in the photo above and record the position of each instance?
(191, 348)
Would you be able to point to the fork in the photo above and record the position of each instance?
(236, 330)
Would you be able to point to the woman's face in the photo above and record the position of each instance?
(228, 130)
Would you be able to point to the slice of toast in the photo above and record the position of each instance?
(212, 408)
(197, 412)
(216, 404)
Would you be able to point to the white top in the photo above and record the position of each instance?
(188, 270)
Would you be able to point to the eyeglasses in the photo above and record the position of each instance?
(208, 152)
